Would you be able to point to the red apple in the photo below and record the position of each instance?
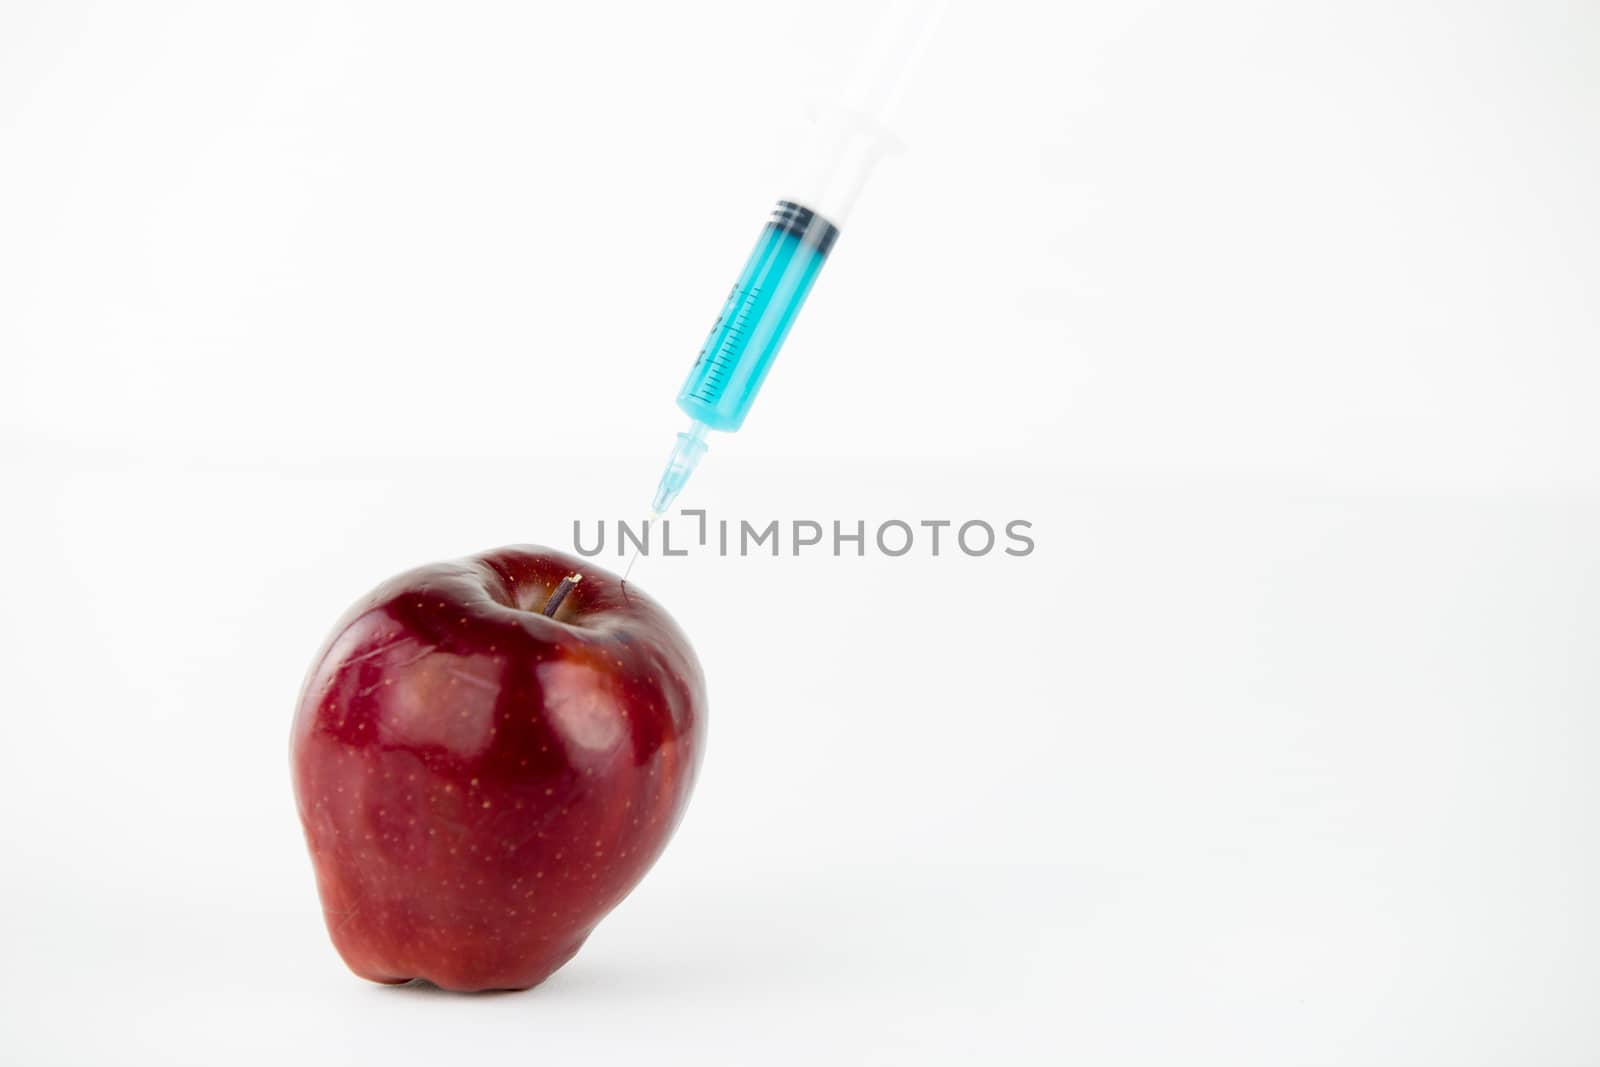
(487, 760)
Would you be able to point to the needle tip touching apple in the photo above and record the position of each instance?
(488, 755)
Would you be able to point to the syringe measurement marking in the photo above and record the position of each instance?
(716, 373)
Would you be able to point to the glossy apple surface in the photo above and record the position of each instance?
(480, 784)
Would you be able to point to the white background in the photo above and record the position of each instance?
(1278, 321)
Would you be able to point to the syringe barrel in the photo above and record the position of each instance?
(851, 132)
(756, 317)
(847, 140)
(841, 150)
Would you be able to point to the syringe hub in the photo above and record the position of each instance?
(685, 457)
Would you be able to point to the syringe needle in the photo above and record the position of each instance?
(638, 549)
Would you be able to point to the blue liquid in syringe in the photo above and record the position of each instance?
(756, 318)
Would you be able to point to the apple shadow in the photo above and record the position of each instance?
(723, 962)
(725, 942)
(423, 987)
(678, 967)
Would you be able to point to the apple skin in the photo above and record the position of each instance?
(480, 785)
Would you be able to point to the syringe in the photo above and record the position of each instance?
(778, 276)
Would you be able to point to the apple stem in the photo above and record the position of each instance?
(552, 605)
